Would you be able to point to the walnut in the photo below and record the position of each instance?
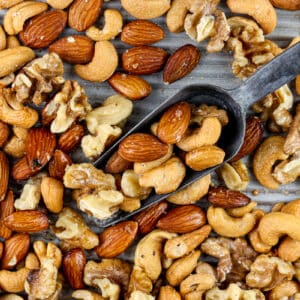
(7, 80)
(139, 281)
(138, 295)
(73, 232)
(67, 106)
(267, 272)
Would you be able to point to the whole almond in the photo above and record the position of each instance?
(53, 194)
(21, 170)
(43, 29)
(225, 198)
(74, 49)
(144, 60)
(148, 218)
(183, 219)
(253, 136)
(15, 250)
(116, 239)
(4, 133)
(58, 164)
(116, 164)
(40, 147)
(142, 147)
(6, 208)
(141, 32)
(70, 139)
(73, 263)
(4, 175)
(84, 13)
(168, 293)
(182, 62)
(27, 221)
(130, 86)
(174, 123)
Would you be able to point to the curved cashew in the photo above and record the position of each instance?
(17, 15)
(9, 3)
(292, 208)
(227, 226)
(59, 4)
(269, 152)
(257, 243)
(176, 15)
(13, 281)
(289, 249)
(284, 290)
(113, 26)
(258, 9)
(167, 292)
(2, 38)
(275, 224)
(12, 42)
(239, 212)
(103, 64)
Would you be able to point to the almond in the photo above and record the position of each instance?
(141, 32)
(1, 249)
(130, 86)
(58, 164)
(21, 170)
(225, 198)
(253, 136)
(174, 123)
(73, 263)
(70, 139)
(144, 60)
(181, 63)
(148, 218)
(74, 49)
(116, 239)
(183, 219)
(27, 221)
(142, 147)
(6, 208)
(84, 13)
(15, 250)
(40, 147)
(53, 194)
(116, 164)
(4, 133)
(43, 29)
(4, 175)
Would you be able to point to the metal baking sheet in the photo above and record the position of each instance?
(213, 69)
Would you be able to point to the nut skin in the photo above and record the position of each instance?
(6, 208)
(225, 198)
(116, 164)
(148, 218)
(70, 139)
(142, 147)
(182, 219)
(74, 49)
(43, 29)
(21, 170)
(116, 239)
(58, 164)
(4, 133)
(4, 175)
(181, 63)
(73, 263)
(141, 32)
(174, 123)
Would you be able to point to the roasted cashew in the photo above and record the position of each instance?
(284, 290)
(13, 281)
(11, 297)
(176, 15)
(257, 243)
(103, 64)
(59, 4)
(293, 208)
(289, 249)
(239, 212)
(9, 3)
(113, 26)
(167, 292)
(12, 42)
(2, 38)
(227, 226)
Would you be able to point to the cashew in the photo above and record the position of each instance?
(9, 3)
(207, 134)
(258, 9)
(227, 226)
(257, 243)
(239, 212)
(32, 261)
(113, 26)
(289, 249)
(130, 204)
(2, 38)
(12, 42)
(103, 64)
(176, 15)
(147, 9)
(275, 224)
(16, 16)
(13, 281)
(285, 290)
(86, 295)
(11, 297)
(167, 293)
(293, 208)
(59, 4)
(148, 252)
(269, 152)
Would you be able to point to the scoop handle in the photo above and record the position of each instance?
(279, 71)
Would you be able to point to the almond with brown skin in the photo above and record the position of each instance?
(183, 219)
(130, 86)
(4, 133)
(70, 139)
(148, 218)
(116, 164)
(141, 32)
(74, 49)
(27, 221)
(43, 29)
(15, 250)
(182, 62)
(73, 263)
(253, 136)
(174, 123)
(6, 208)
(225, 198)
(116, 239)
(21, 170)
(142, 147)
(4, 175)
(40, 148)
(84, 13)
(58, 164)
(144, 60)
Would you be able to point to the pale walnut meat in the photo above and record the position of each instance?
(67, 106)
(39, 79)
(139, 281)
(108, 289)
(267, 272)
(73, 232)
(138, 295)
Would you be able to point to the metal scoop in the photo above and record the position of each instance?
(267, 79)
